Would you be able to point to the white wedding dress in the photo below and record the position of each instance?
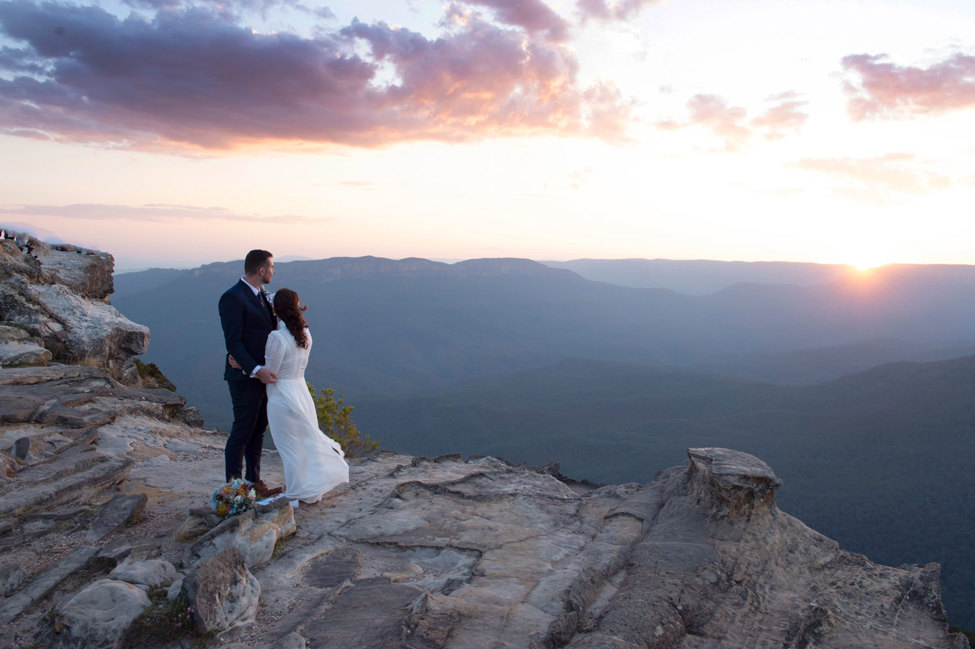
(313, 462)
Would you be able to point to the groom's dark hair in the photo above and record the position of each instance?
(255, 260)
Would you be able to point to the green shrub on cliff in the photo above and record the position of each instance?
(335, 420)
(152, 376)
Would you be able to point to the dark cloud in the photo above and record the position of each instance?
(233, 9)
(20, 61)
(192, 76)
(881, 88)
(533, 15)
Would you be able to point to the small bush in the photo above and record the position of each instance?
(335, 420)
(161, 622)
(152, 376)
(967, 634)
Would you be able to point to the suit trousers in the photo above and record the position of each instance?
(246, 439)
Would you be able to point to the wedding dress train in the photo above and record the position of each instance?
(313, 462)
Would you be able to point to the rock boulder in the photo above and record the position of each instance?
(152, 573)
(99, 614)
(254, 532)
(222, 591)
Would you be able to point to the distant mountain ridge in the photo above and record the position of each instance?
(385, 326)
(335, 268)
(704, 277)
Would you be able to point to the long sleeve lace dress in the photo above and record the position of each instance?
(313, 462)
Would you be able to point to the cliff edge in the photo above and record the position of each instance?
(103, 520)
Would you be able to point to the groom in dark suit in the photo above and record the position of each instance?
(247, 320)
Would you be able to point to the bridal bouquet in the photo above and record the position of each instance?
(232, 498)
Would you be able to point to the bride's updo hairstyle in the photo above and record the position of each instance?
(286, 307)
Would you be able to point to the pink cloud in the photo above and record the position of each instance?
(785, 116)
(620, 10)
(195, 77)
(731, 123)
(533, 15)
(894, 172)
(713, 112)
(880, 87)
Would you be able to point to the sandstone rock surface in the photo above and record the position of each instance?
(479, 553)
(153, 573)
(223, 592)
(60, 298)
(254, 533)
(98, 615)
(117, 512)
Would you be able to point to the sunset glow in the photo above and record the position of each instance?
(747, 130)
(868, 264)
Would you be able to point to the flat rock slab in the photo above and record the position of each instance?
(69, 488)
(52, 372)
(34, 448)
(734, 468)
(118, 512)
(332, 569)
(45, 582)
(386, 606)
(17, 353)
(20, 408)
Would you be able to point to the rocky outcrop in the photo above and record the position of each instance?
(104, 487)
(480, 553)
(58, 299)
(17, 347)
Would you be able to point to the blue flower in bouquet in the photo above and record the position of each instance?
(233, 498)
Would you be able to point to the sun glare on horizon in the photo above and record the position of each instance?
(867, 264)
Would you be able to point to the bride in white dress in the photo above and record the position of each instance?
(313, 462)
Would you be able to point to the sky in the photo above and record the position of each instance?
(175, 133)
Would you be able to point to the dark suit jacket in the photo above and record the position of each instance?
(246, 326)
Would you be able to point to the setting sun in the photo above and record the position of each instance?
(868, 264)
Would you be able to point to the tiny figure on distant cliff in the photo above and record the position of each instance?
(313, 462)
(22, 241)
(247, 320)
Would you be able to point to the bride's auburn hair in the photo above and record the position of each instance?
(286, 307)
